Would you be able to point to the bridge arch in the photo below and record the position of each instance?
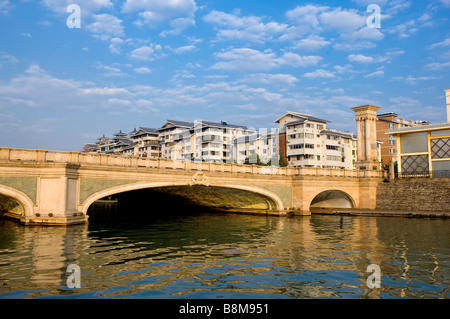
(83, 208)
(20, 198)
(332, 198)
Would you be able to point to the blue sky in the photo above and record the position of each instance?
(140, 62)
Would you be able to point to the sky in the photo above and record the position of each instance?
(68, 77)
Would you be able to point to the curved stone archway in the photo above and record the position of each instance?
(26, 209)
(273, 201)
(333, 198)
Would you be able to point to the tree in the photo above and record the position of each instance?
(283, 162)
(252, 160)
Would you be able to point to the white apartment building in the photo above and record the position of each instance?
(201, 140)
(214, 142)
(309, 143)
(263, 144)
(172, 135)
(145, 142)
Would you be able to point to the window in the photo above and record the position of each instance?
(309, 135)
(309, 125)
(300, 146)
(392, 140)
(392, 151)
(319, 126)
(333, 147)
(391, 126)
(333, 158)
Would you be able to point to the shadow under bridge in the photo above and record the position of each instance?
(177, 200)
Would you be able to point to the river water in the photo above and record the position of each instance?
(218, 255)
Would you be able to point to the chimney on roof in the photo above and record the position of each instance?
(447, 96)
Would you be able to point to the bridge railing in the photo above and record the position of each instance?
(44, 156)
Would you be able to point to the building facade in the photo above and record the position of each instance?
(309, 143)
(389, 147)
(424, 150)
(214, 142)
(259, 147)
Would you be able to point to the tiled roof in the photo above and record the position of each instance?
(303, 116)
(222, 125)
(176, 124)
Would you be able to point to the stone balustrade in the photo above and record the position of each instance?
(45, 156)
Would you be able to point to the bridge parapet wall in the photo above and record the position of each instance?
(11, 154)
(64, 181)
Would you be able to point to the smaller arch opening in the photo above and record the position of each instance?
(331, 200)
(10, 207)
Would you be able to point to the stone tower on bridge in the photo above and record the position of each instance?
(366, 119)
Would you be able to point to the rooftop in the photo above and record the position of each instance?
(306, 117)
(221, 125)
(420, 128)
(173, 123)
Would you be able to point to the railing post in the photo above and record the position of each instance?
(75, 157)
(134, 161)
(41, 156)
(103, 159)
(5, 153)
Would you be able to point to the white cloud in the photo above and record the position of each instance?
(178, 25)
(442, 44)
(350, 25)
(313, 42)
(436, 66)
(446, 3)
(378, 73)
(6, 58)
(306, 15)
(270, 79)
(184, 49)
(147, 52)
(156, 11)
(245, 59)
(87, 6)
(115, 45)
(106, 26)
(5, 6)
(360, 58)
(250, 28)
(412, 80)
(143, 70)
(319, 74)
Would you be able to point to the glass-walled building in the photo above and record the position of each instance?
(424, 150)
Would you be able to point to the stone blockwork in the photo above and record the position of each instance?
(415, 195)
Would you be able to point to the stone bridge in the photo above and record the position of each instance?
(57, 188)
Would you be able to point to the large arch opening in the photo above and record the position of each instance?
(331, 200)
(154, 202)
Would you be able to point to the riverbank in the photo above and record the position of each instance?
(384, 213)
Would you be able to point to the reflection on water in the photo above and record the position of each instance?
(216, 255)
